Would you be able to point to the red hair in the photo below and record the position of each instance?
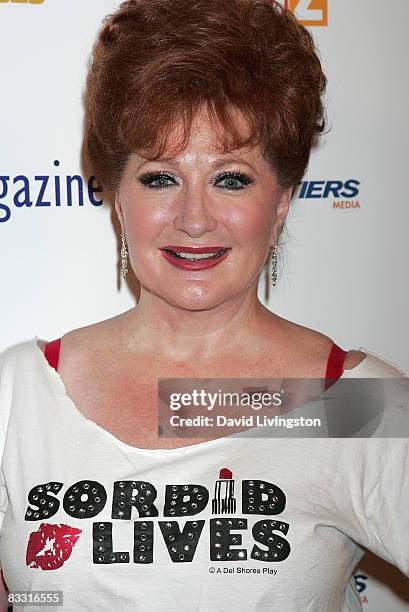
(156, 62)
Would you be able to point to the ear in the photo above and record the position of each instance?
(281, 212)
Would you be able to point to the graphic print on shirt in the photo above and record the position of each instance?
(52, 544)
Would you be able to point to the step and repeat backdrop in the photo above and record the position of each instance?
(343, 267)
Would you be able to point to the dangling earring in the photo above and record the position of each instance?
(124, 255)
(274, 264)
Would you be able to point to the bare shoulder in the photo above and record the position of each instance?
(91, 339)
(41, 344)
(88, 341)
(314, 347)
(353, 358)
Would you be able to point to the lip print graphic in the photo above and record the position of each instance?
(51, 545)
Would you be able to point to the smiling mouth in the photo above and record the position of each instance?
(197, 256)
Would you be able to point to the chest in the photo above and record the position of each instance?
(124, 399)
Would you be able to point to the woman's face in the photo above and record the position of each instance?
(200, 198)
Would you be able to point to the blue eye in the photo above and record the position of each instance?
(234, 180)
(156, 180)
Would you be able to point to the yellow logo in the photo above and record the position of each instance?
(22, 1)
(309, 12)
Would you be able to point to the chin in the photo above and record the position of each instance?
(195, 298)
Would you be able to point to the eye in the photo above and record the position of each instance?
(154, 179)
(234, 180)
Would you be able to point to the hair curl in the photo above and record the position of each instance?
(156, 62)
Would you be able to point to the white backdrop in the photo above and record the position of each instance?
(59, 253)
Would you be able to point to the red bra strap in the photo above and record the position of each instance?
(335, 365)
(52, 352)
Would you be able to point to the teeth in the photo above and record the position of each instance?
(197, 255)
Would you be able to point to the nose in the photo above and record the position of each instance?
(194, 213)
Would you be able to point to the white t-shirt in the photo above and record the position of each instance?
(233, 523)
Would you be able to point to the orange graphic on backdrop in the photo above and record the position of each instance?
(23, 1)
(309, 12)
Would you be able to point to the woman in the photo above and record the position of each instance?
(200, 120)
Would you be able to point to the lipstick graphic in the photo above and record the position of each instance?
(51, 545)
(224, 501)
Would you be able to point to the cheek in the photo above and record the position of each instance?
(144, 222)
(250, 223)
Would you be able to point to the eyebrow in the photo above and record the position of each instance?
(217, 163)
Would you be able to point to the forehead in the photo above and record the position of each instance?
(204, 143)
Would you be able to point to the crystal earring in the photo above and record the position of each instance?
(124, 255)
(274, 264)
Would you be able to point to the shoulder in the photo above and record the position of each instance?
(314, 347)
(41, 344)
(353, 358)
(87, 345)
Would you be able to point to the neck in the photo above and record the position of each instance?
(180, 334)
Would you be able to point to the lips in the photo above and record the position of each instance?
(194, 249)
(216, 257)
(50, 546)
